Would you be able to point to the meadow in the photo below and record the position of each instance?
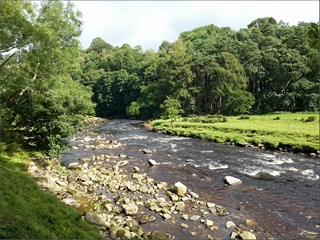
(295, 132)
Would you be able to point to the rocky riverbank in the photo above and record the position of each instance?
(122, 201)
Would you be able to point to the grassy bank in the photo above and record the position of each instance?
(297, 132)
(27, 212)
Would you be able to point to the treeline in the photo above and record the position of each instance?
(268, 66)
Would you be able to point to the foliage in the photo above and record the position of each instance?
(39, 98)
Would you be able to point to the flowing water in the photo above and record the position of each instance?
(279, 191)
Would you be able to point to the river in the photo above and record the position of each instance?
(279, 191)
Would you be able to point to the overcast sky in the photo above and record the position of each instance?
(149, 23)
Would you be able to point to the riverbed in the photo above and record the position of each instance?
(279, 191)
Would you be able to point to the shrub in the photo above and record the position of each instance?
(277, 118)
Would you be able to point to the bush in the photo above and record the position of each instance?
(277, 118)
(57, 145)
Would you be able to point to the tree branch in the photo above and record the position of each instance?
(2, 64)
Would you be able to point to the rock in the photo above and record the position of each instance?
(194, 195)
(121, 155)
(144, 189)
(231, 180)
(152, 162)
(185, 216)
(208, 223)
(131, 223)
(233, 235)
(230, 224)
(180, 206)
(211, 205)
(194, 217)
(71, 202)
(108, 207)
(147, 151)
(251, 223)
(161, 202)
(146, 218)
(32, 167)
(185, 198)
(213, 228)
(246, 235)
(136, 169)
(94, 219)
(87, 139)
(122, 163)
(61, 183)
(130, 209)
(123, 233)
(190, 160)
(174, 197)
(139, 177)
(75, 165)
(167, 216)
(183, 225)
(180, 189)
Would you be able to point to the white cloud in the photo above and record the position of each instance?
(149, 23)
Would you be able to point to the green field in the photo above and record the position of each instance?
(296, 132)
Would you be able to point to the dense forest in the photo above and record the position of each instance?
(48, 82)
(268, 66)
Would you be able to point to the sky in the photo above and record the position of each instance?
(149, 23)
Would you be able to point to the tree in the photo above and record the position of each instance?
(99, 45)
(38, 95)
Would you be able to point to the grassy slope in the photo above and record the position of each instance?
(288, 131)
(30, 213)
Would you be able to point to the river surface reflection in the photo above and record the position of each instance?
(279, 191)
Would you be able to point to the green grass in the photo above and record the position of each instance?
(286, 130)
(27, 212)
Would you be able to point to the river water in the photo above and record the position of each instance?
(279, 191)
